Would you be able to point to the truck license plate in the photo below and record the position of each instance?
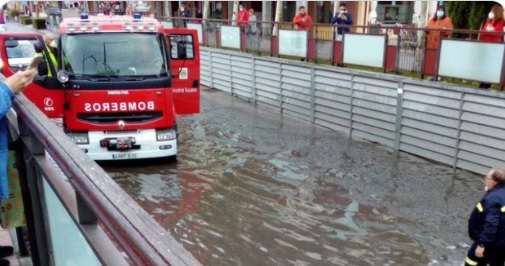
(120, 156)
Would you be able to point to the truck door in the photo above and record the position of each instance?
(16, 53)
(185, 64)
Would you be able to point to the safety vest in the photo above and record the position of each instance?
(53, 60)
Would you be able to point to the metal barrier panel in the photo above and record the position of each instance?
(230, 37)
(293, 43)
(268, 83)
(198, 28)
(205, 68)
(332, 99)
(296, 90)
(357, 49)
(429, 122)
(373, 112)
(167, 24)
(482, 134)
(241, 77)
(68, 245)
(457, 126)
(221, 72)
(471, 60)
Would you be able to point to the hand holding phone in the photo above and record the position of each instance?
(35, 62)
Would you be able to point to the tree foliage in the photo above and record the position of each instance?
(468, 15)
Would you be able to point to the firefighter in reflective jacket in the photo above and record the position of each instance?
(486, 226)
(45, 68)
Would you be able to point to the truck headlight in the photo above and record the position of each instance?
(166, 134)
(79, 138)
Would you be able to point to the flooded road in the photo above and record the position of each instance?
(254, 188)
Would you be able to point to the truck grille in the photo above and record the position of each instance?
(140, 117)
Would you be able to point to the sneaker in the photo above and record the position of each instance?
(6, 251)
(4, 262)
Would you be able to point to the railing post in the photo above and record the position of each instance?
(86, 215)
(35, 219)
(210, 70)
(398, 48)
(313, 94)
(253, 82)
(399, 111)
(351, 105)
(458, 133)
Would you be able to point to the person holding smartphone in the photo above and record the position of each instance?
(342, 19)
(8, 88)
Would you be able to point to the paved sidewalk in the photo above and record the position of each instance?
(8, 238)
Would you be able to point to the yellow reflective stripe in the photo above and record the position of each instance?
(479, 207)
(503, 209)
(470, 262)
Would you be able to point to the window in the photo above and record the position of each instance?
(20, 52)
(113, 55)
(182, 47)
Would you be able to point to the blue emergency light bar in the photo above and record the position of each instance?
(84, 16)
(137, 16)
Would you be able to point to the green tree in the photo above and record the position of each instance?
(468, 15)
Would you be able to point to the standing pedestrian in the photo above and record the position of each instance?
(438, 22)
(342, 20)
(495, 23)
(486, 226)
(184, 14)
(252, 29)
(302, 20)
(8, 88)
(243, 18)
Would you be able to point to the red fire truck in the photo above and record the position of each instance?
(120, 83)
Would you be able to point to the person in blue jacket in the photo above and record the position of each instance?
(8, 88)
(486, 226)
(342, 20)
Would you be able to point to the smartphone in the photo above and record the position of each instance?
(35, 61)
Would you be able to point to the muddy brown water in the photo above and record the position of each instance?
(254, 188)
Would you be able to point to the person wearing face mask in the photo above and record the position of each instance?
(184, 13)
(302, 20)
(243, 18)
(486, 226)
(435, 24)
(50, 54)
(495, 23)
(342, 20)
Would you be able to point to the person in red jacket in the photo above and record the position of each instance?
(495, 23)
(302, 20)
(243, 18)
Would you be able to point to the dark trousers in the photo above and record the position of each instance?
(484, 85)
(493, 256)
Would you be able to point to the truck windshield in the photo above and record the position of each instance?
(114, 55)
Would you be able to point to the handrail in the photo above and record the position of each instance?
(134, 230)
(384, 26)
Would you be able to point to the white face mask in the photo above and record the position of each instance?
(241, 9)
(182, 8)
(53, 44)
(490, 15)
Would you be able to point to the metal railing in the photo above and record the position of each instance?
(53, 172)
(409, 50)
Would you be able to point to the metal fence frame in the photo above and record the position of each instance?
(461, 127)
